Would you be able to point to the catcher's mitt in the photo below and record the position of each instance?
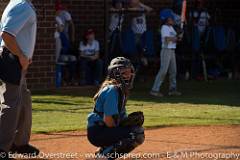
(133, 119)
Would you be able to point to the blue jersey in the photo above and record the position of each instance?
(106, 103)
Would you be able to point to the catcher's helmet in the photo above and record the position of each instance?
(115, 71)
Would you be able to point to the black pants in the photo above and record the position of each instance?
(10, 68)
(102, 136)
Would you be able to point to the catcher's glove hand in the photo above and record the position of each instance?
(133, 119)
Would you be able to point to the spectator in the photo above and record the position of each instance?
(139, 27)
(168, 60)
(64, 52)
(116, 17)
(199, 21)
(139, 24)
(115, 27)
(59, 29)
(91, 65)
(67, 21)
(200, 17)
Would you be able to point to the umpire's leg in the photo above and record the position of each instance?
(25, 119)
(10, 112)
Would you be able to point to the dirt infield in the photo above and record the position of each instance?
(204, 142)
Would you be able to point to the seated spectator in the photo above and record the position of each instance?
(64, 53)
(91, 66)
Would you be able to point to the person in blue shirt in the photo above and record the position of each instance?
(18, 34)
(104, 129)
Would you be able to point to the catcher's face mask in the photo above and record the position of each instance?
(128, 75)
(123, 71)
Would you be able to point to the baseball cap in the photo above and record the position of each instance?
(59, 6)
(89, 32)
(166, 13)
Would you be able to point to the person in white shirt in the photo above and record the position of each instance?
(139, 27)
(200, 17)
(64, 53)
(139, 23)
(91, 65)
(117, 17)
(59, 26)
(66, 18)
(168, 59)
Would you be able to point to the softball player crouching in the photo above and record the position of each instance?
(107, 127)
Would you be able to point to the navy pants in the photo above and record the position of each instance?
(102, 136)
(91, 71)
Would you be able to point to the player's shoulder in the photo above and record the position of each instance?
(95, 41)
(18, 5)
(110, 89)
(165, 27)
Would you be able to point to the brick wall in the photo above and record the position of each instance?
(85, 13)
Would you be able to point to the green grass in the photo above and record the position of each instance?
(202, 103)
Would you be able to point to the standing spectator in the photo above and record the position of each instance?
(139, 23)
(115, 27)
(200, 17)
(67, 21)
(139, 27)
(199, 21)
(117, 16)
(59, 29)
(64, 52)
(168, 59)
(91, 65)
(18, 32)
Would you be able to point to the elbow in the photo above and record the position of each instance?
(6, 36)
(109, 122)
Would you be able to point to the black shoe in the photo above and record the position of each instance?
(26, 149)
(4, 155)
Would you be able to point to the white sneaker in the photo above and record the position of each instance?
(174, 93)
(156, 94)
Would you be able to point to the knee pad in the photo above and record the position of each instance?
(136, 138)
(137, 135)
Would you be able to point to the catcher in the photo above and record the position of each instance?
(109, 126)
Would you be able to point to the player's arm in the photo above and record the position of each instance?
(110, 107)
(109, 121)
(97, 51)
(96, 55)
(115, 9)
(146, 8)
(171, 39)
(72, 30)
(81, 51)
(165, 33)
(18, 17)
(81, 54)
